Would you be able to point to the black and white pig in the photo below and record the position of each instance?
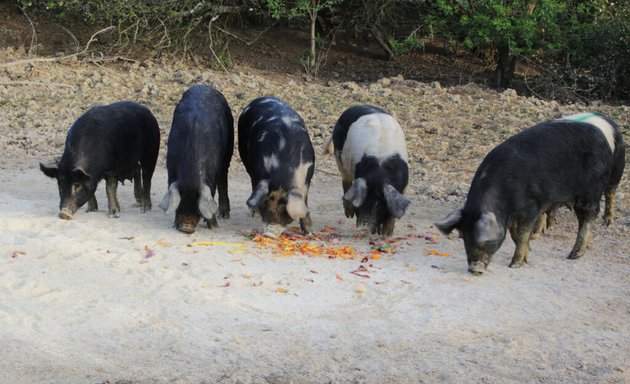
(573, 161)
(200, 147)
(370, 150)
(116, 142)
(278, 155)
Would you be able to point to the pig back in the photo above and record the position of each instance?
(201, 139)
(552, 162)
(274, 142)
(113, 138)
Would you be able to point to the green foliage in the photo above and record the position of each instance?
(292, 9)
(403, 47)
(507, 28)
(597, 52)
(495, 23)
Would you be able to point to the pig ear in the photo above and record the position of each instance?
(357, 193)
(259, 194)
(450, 222)
(487, 228)
(50, 169)
(207, 206)
(396, 203)
(80, 175)
(171, 200)
(296, 205)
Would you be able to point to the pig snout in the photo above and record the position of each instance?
(273, 230)
(186, 227)
(66, 213)
(477, 267)
(186, 223)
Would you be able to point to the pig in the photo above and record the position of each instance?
(115, 142)
(276, 150)
(199, 150)
(371, 154)
(572, 160)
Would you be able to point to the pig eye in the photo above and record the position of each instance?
(282, 201)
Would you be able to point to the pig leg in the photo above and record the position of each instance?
(137, 187)
(92, 205)
(586, 215)
(110, 189)
(306, 224)
(551, 216)
(609, 209)
(212, 223)
(347, 206)
(224, 200)
(146, 190)
(541, 226)
(521, 235)
(388, 226)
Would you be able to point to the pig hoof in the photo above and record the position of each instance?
(574, 255)
(65, 215)
(608, 220)
(516, 264)
(114, 215)
(212, 223)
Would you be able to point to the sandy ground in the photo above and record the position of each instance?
(131, 300)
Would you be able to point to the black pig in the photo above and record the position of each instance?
(116, 142)
(369, 146)
(278, 155)
(573, 161)
(200, 146)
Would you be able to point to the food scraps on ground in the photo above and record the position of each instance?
(148, 252)
(435, 252)
(16, 253)
(288, 244)
(204, 243)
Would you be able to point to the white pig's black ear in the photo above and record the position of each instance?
(487, 228)
(80, 175)
(259, 194)
(171, 200)
(357, 193)
(396, 203)
(450, 222)
(50, 169)
(207, 206)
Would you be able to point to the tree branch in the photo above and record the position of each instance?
(60, 58)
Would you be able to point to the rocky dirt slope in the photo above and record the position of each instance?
(449, 130)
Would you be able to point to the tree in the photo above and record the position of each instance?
(508, 29)
(310, 9)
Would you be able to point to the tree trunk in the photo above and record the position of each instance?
(506, 65)
(313, 56)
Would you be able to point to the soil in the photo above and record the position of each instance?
(78, 306)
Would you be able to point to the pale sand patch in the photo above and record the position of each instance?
(83, 304)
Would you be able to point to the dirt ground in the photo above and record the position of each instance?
(131, 300)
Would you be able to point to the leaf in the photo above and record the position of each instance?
(204, 243)
(148, 252)
(281, 290)
(164, 243)
(338, 276)
(238, 250)
(16, 253)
